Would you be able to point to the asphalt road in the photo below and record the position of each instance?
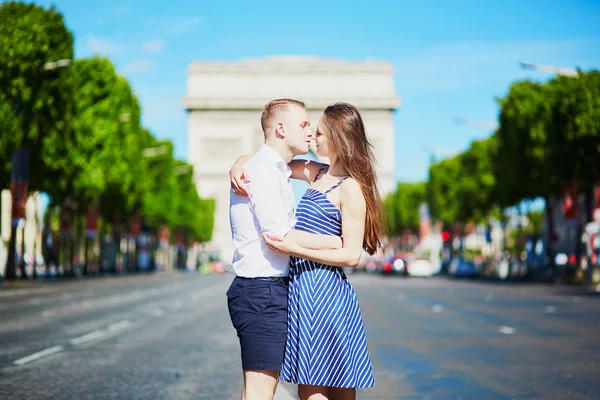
(169, 337)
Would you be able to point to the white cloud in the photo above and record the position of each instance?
(98, 45)
(180, 25)
(153, 46)
(459, 65)
(137, 66)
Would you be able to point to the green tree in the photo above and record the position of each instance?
(30, 38)
(523, 164)
(475, 188)
(574, 129)
(158, 202)
(442, 190)
(402, 207)
(193, 215)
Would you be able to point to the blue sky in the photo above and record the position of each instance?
(451, 58)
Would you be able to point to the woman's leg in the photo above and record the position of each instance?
(341, 393)
(308, 392)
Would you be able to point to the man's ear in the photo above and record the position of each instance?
(280, 129)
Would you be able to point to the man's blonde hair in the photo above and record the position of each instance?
(273, 108)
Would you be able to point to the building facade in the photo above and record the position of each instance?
(225, 100)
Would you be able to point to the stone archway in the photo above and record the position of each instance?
(225, 100)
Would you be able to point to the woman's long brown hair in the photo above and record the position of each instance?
(346, 130)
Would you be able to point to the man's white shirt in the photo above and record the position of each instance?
(270, 210)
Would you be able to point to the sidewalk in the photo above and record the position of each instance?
(21, 287)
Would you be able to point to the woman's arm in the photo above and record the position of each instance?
(314, 241)
(354, 211)
(237, 176)
(305, 170)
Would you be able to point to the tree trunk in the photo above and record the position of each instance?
(72, 254)
(22, 263)
(588, 209)
(11, 266)
(549, 234)
(86, 252)
(34, 262)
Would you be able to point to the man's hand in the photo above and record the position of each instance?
(238, 178)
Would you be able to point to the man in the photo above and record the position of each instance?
(257, 297)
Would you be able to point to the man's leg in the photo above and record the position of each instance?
(258, 311)
(260, 385)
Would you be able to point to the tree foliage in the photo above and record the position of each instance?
(80, 121)
(402, 207)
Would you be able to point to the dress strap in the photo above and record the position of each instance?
(323, 168)
(337, 184)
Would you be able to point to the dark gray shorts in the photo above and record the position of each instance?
(258, 311)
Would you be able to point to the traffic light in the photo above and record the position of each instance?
(445, 236)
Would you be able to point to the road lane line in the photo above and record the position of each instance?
(550, 310)
(88, 337)
(119, 326)
(49, 313)
(507, 330)
(39, 354)
(177, 305)
(157, 313)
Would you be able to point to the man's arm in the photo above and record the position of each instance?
(267, 203)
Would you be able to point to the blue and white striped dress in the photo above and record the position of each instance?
(326, 343)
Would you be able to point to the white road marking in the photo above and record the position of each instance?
(48, 313)
(38, 355)
(437, 308)
(177, 305)
(119, 326)
(507, 330)
(100, 333)
(157, 313)
(550, 310)
(88, 337)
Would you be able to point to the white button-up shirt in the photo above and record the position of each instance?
(270, 210)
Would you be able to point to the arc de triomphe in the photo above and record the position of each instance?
(225, 100)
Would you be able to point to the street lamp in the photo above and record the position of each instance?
(57, 64)
(155, 151)
(182, 169)
(549, 68)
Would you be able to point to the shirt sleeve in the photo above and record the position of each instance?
(269, 204)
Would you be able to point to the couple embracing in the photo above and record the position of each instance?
(295, 312)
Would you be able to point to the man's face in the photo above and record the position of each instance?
(298, 133)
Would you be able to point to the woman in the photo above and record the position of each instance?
(326, 351)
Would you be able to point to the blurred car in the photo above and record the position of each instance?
(394, 266)
(464, 268)
(422, 267)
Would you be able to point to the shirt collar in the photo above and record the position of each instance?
(274, 157)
